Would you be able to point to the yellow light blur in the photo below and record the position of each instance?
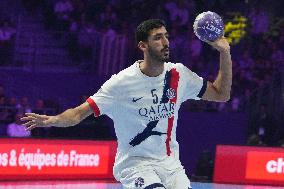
(235, 29)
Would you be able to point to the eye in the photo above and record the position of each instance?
(157, 38)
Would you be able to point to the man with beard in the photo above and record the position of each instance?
(143, 100)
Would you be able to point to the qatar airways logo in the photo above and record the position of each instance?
(275, 166)
(158, 111)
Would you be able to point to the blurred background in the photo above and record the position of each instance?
(54, 54)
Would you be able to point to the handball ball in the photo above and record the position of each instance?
(208, 26)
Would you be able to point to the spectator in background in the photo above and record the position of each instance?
(7, 33)
(12, 108)
(222, 107)
(13, 102)
(277, 56)
(109, 31)
(281, 130)
(235, 104)
(159, 12)
(264, 126)
(281, 36)
(246, 62)
(176, 44)
(79, 7)
(204, 167)
(181, 14)
(24, 106)
(259, 21)
(40, 109)
(193, 48)
(246, 80)
(32, 5)
(254, 140)
(263, 49)
(281, 143)
(2, 91)
(72, 40)
(178, 12)
(96, 16)
(169, 6)
(108, 16)
(4, 113)
(16, 129)
(63, 10)
(86, 41)
(245, 101)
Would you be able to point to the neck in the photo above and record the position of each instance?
(151, 67)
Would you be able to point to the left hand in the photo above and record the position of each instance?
(220, 44)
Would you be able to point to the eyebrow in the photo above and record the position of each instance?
(160, 34)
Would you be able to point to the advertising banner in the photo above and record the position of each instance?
(56, 159)
(249, 165)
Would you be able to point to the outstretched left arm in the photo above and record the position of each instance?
(220, 89)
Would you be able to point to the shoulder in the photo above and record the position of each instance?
(178, 66)
(184, 71)
(117, 80)
(126, 74)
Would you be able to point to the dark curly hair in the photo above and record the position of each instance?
(142, 31)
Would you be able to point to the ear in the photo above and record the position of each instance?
(142, 45)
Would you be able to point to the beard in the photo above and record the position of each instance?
(159, 56)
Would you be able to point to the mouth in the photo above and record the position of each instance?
(166, 51)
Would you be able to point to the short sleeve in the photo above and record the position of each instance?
(105, 100)
(194, 86)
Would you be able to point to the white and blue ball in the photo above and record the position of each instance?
(208, 26)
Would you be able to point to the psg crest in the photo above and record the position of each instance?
(171, 93)
(139, 182)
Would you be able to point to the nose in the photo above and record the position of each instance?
(165, 41)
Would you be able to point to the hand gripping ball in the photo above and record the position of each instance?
(208, 26)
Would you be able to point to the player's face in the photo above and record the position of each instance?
(158, 44)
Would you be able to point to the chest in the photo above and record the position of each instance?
(150, 101)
